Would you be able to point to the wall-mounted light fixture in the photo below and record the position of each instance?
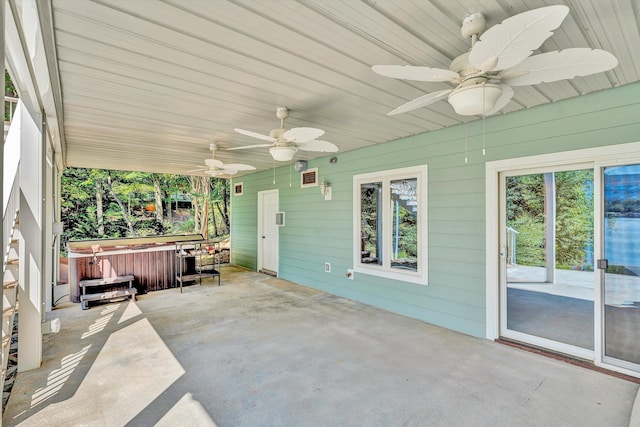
(325, 189)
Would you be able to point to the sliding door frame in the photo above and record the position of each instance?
(594, 158)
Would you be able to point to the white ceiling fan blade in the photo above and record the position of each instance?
(509, 43)
(554, 66)
(423, 101)
(255, 135)
(507, 94)
(244, 147)
(239, 167)
(213, 163)
(411, 72)
(302, 134)
(317, 145)
(227, 171)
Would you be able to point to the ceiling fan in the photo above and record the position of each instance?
(215, 167)
(285, 143)
(500, 58)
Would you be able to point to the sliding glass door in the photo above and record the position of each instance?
(548, 269)
(621, 264)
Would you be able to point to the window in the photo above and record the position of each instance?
(390, 224)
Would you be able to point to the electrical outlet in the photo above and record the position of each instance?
(327, 267)
(349, 273)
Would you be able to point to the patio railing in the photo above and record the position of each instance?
(511, 245)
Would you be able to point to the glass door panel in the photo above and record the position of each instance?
(622, 251)
(549, 256)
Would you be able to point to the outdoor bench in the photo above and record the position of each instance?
(130, 291)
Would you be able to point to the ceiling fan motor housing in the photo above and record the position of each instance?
(277, 133)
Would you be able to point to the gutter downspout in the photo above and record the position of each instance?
(43, 216)
(52, 326)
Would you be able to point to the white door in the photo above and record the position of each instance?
(268, 233)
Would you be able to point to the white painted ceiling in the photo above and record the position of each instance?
(147, 85)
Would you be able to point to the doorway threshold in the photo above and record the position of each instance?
(268, 272)
(583, 363)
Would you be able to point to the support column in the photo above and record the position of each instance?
(550, 225)
(32, 264)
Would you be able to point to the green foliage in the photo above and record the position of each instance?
(525, 213)
(530, 241)
(369, 195)
(407, 234)
(128, 204)
(10, 91)
(574, 217)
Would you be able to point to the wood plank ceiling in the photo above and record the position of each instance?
(147, 85)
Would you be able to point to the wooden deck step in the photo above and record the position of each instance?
(15, 241)
(8, 311)
(13, 261)
(10, 284)
(6, 340)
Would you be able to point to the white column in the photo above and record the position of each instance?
(31, 261)
(550, 225)
(2, 5)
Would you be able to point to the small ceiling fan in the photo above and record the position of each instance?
(215, 167)
(285, 143)
(500, 58)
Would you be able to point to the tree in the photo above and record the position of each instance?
(574, 217)
(108, 204)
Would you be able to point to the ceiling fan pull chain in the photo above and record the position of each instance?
(483, 116)
(290, 167)
(466, 143)
(484, 132)
(274, 172)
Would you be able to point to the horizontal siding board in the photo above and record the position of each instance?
(319, 231)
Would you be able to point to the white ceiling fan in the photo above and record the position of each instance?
(500, 58)
(285, 143)
(215, 167)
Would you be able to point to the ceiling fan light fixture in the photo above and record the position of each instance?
(476, 99)
(282, 154)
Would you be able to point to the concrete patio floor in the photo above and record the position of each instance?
(260, 351)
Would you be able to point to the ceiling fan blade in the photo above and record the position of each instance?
(423, 101)
(317, 145)
(197, 170)
(226, 171)
(554, 66)
(213, 163)
(255, 135)
(509, 43)
(302, 134)
(503, 100)
(239, 167)
(411, 72)
(244, 147)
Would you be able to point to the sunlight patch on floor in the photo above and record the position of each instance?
(101, 322)
(187, 412)
(58, 377)
(132, 369)
(130, 312)
(137, 353)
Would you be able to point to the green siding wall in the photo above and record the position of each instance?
(319, 231)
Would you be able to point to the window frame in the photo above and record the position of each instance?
(420, 173)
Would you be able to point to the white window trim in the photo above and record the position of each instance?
(386, 176)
